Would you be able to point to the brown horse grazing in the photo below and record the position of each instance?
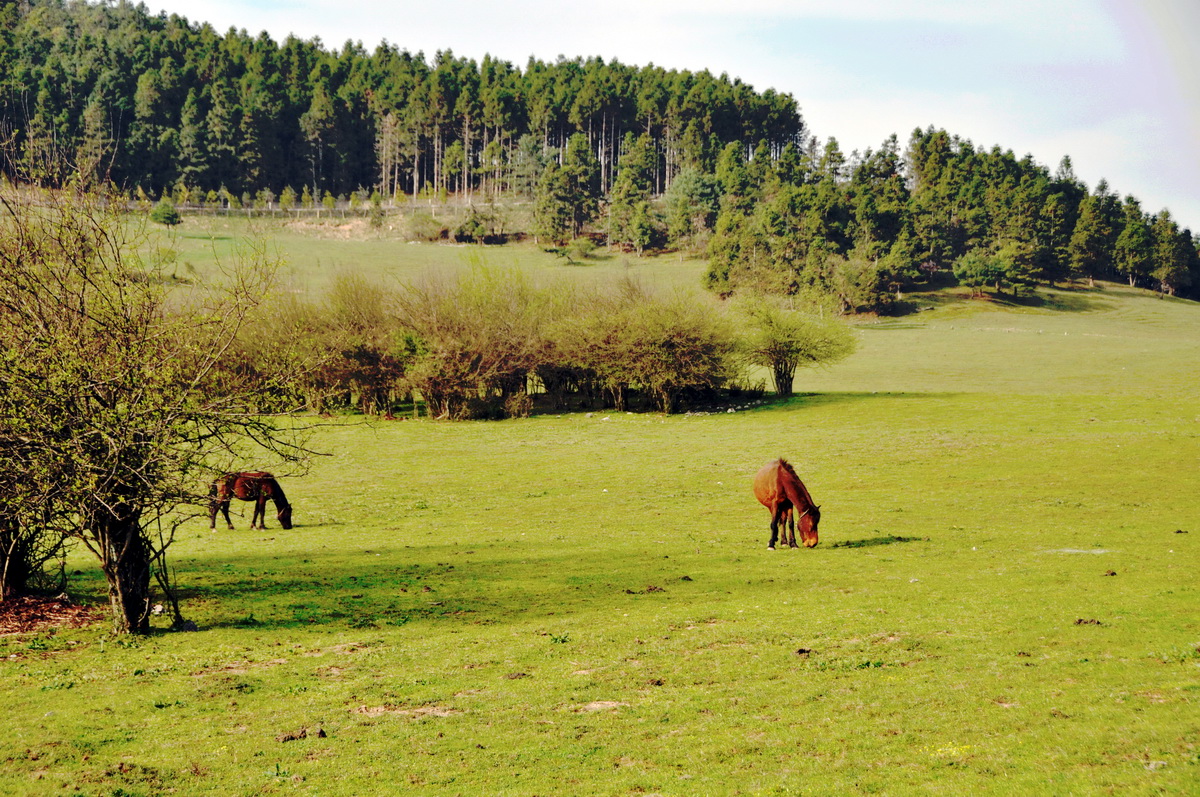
(256, 487)
(779, 489)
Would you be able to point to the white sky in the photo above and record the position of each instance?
(1115, 84)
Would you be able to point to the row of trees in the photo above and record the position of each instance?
(116, 409)
(865, 227)
(486, 344)
(152, 100)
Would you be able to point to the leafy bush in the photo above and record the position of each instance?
(480, 336)
(424, 227)
(783, 339)
(165, 213)
(631, 340)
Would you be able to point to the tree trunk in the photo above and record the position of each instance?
(126, 565)
(784, 378)
(14, 560)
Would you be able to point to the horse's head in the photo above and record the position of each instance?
(808, 526)
(285, 516)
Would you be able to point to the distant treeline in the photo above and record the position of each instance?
(639, 157)
(884, 220)
(152, 101)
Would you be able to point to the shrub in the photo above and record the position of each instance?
(480, 337)
(782, 339)
(632, 340)
(165, 213)
(424, 227)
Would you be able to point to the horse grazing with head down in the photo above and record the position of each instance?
(256, 487)
(779, 489)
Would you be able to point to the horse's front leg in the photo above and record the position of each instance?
(791, 522)
(260, 514)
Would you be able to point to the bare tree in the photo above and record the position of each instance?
(117, 388)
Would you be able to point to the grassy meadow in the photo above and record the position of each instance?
(1001, 602)
(312, 253)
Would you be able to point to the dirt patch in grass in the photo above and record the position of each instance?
(345, 230)
(407, 711)
(30, 614)
(601, 705)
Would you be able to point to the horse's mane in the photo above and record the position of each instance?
(787, 466)
(276, 491)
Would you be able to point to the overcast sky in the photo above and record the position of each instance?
(1115, 84)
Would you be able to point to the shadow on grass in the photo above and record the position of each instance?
(1066, 299)
(1073, 300)
(826, 399)
(871, 542)
(203, 237)
(342, 590)
(383, 588)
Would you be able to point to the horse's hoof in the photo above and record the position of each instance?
(770, 547)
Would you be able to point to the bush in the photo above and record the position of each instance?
(165, 213)
(782, 339)
(978, 268)
(632, 340)
(424, 227)
(480, 338)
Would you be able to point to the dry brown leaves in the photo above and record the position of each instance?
(29, 614)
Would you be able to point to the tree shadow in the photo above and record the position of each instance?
(205, 237)
(1062, 300)
(871, 542)
(1065, 298)
(826, 399)
(333, 590)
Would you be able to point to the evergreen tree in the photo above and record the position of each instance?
(1173, 253)
(554, 206)
(1088, 251)
(1134, 249)
(629, 216)
(691, 202)
(582, 171)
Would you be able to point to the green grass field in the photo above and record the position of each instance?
(584, 604)
(313, 253)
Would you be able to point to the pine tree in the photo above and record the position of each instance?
(1134, 249)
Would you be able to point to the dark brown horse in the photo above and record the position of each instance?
(256, 487)
(779, 489)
